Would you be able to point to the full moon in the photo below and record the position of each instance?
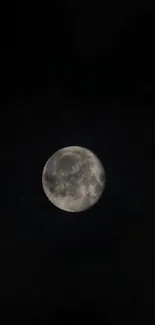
(73, 179)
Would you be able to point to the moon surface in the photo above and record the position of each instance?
(73, 179)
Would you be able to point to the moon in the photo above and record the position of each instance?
(73, 179)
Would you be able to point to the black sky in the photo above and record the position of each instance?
(78, 73)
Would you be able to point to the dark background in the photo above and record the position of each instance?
(77, 73)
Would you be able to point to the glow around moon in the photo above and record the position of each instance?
(73, 179)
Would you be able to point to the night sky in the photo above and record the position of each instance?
(77, 73)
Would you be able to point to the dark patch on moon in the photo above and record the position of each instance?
(66, 163)
(50, 179)
(102, 177)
